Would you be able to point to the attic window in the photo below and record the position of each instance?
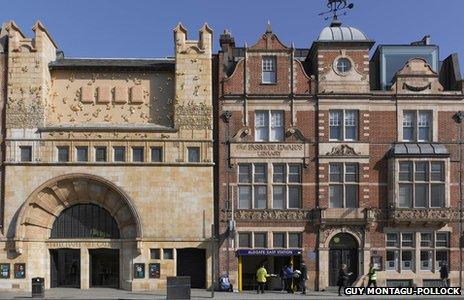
(343, 65)
(269, 69)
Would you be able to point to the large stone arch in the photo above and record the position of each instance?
(44, 205)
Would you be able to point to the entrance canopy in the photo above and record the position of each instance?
(59, 195)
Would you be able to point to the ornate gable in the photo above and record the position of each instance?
(417, 77)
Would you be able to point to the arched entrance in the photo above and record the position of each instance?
(89, 229)
(343, 249)
(84, 221)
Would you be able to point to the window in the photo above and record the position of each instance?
(269, 126)
(294, 240)
(434, 250)
(343, 65)
(442, 239)
(421, 184)
(156, 154)
(119, 154)
(100, 154)
(269, 69)
(417, 126)
(392, 260)
(286, 189)
(392, 240)
(407, 261)
(426, 239)
(26, 153)
(426, 260)
(343, 189)
(82, 154)
(244, 240)
(137, 154)
(155, 254)
(168, 253)
(193, 154)
(407, 239)
(63, 154)
(278, 240)
(343, 125)
(252, 186)
(260, 240)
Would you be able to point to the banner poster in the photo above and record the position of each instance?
(20, 271)
(154, 270)
(4, 271)
(139, 270)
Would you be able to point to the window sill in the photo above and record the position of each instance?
(268, 83)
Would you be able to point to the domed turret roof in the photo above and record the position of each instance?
(336, 32)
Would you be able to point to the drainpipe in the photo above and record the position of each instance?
(458, 118)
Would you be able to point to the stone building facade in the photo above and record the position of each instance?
(101, 159)
(377, 148)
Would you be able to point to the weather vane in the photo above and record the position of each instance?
(336, 7)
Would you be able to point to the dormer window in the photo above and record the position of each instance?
(269, 70)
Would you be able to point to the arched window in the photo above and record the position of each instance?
(85, 221)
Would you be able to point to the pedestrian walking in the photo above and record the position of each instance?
(303, 277)
(444, 273)
(261, 278)
(342, 279)
(372, 275)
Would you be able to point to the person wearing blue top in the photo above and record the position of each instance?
(288, 277)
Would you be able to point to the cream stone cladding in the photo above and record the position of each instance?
(111, 97)
(109, 107)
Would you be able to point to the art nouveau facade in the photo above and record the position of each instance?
(357, 156)
(102, 159)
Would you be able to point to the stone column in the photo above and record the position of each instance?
(85, 268)
(323, 281)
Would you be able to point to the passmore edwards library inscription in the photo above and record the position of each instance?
(267, 150)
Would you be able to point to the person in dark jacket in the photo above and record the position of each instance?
(303, 277)
(342, 279)
(444, 273)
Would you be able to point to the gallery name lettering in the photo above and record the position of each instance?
(82, 244)
(263, 150)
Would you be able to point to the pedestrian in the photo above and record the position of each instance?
(342, 279)
(282, 278)
(261, 278)
(372, 275)
(303, 277)
(444, 273)
(288, 276)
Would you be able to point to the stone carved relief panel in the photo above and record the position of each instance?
(119, 97)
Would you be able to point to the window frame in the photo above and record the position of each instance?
(58, 150)
(116, 148)
(343, 183)
(80, 148)
(30, 156)
(198, 150)
(413, 183)
(96, 149)
(160, 148)
(142, 152)
(287, 184)
(268, 126)
(269, 62)
(342, 124)
(416, 124)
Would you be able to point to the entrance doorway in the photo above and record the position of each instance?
(343, 250)
(104, 268)
(65, 265)
(192, 262)
(273, 264)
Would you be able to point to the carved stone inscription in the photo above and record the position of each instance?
(267, 150)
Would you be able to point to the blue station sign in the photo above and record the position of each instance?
(268, 252)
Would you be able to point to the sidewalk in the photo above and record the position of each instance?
(105, 293)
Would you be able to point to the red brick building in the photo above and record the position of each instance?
(331, 155)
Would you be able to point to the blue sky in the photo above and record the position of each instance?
(143, 28)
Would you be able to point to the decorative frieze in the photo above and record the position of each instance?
(272, 215)
(193, 116)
